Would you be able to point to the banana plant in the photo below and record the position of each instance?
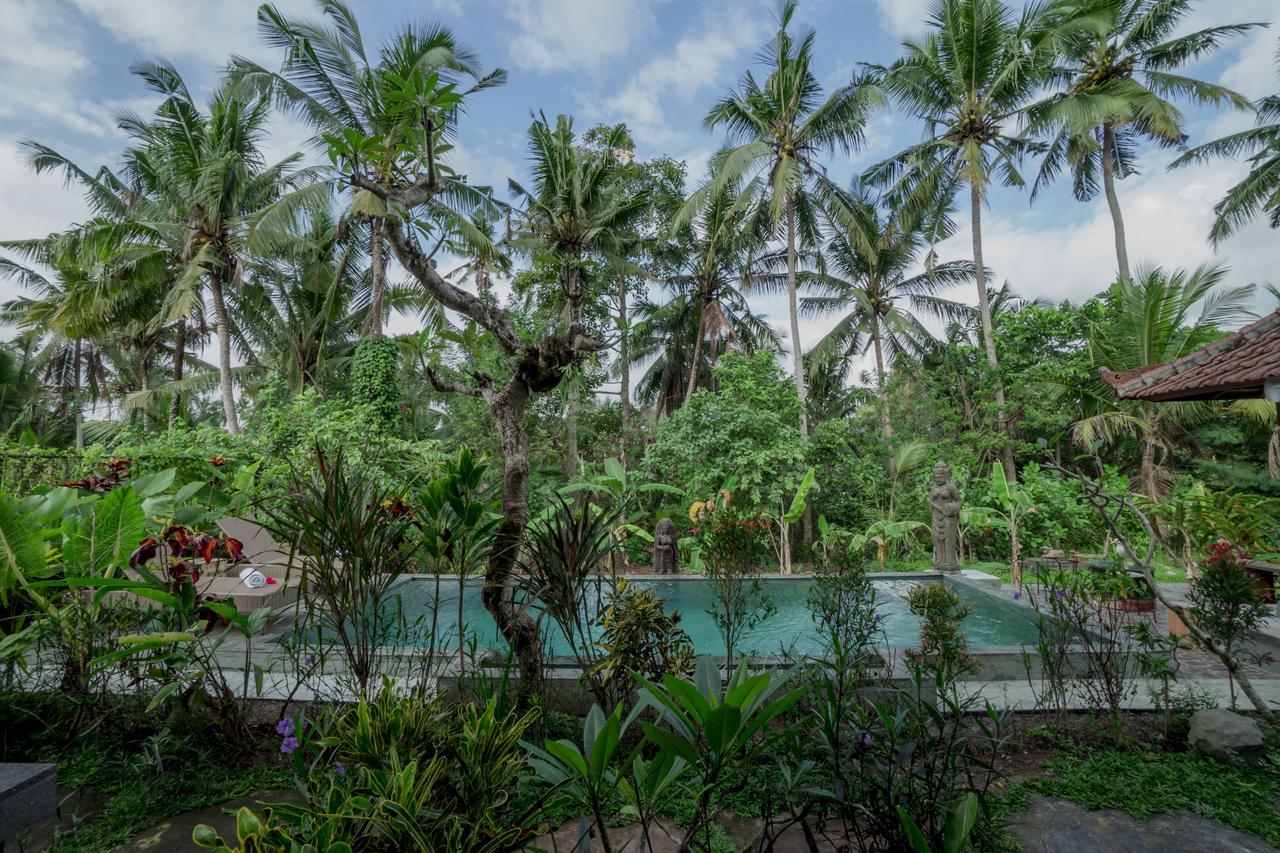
(1015, 504)
(780, 538)
(884, 534)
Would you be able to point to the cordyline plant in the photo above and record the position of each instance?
(1110, 508)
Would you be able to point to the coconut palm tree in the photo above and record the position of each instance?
(577, 212)
(209, 185)
(479, 260)
(665, 336)
(972, 80)
(867, 272)
(20, 387)
(131, 214)
(1158, 316)
(778, 129)
(100, 298)
(328, 79)
(1258, 192)
(1118, 82)
(713, 257)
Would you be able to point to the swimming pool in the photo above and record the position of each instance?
(790, 630)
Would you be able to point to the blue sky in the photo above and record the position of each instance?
(656, 64)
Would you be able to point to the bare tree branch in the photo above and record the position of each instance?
(1097, 496)
(448, 386)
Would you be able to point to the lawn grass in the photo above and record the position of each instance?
(1143, 782)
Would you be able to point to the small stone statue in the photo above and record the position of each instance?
(945, 501)
(666, 549)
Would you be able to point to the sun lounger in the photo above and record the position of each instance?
(264, 553)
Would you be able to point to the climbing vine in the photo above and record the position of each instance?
(373, 378)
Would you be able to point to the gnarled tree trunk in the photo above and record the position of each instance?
(536, 368)
(519, 630)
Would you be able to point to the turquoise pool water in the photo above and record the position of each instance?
(790, 630)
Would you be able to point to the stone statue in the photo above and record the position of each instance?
(666, 549)
(945, 501)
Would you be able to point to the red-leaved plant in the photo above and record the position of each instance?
(182, 551)
(110, 474)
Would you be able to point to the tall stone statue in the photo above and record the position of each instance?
(666, 548)
(945, 501)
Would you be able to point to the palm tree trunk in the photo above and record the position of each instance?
(75, 389)
(1273, 448)
(697, 349)
(885, 425)
(230, 421)
(377, 279)
(144, 381)
(179, 353)
(1113, 202)
(624, 368)
(1147, 473)
(571, 432)
(988, 330)
(797, 353)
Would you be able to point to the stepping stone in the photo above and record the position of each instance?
(27, 796)
(1055, 825)
(174, 834)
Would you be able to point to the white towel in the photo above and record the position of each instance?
(253, 578)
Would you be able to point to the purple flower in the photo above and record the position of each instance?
(340, 768)
(1058, 594)
(866, 738)
(306, 661)
(284, 728)
(1017, 595)
(289, 744)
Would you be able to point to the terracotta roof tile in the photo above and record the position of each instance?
(1228, 369)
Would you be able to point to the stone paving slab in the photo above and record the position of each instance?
(1054, 825)
(174, 834)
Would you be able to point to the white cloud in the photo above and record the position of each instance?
(34, 205)
(208, 31)
(481, 166)
(1167, 219)
(553, 35)
(904, 18)
(40, 64)
(1254, 71)
(697, 62)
